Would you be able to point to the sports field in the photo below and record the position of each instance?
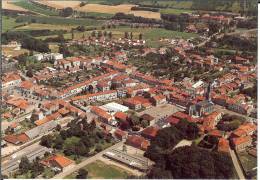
(100, 170)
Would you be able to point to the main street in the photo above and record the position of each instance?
(236, 164)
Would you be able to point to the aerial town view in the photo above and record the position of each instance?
(129, 89)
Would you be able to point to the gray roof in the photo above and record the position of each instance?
(42, 129)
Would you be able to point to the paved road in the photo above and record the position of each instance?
(86, 162)
(236, 164)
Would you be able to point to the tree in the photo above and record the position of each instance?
(159, 173)
(72, 34)
(105, 33)
(144, 123)
(131, 35)
(58, 142)
(58, 127)
(93, 33)
(126, 35)
(201, 164)
(82, 174)
(140, 36)
(24, 165)
(98, 148)
(46, 141)
(110, 35)
(29, 73)
(99, 34)
(66, 12)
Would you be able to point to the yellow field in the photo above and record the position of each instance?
(8, 5)
(37, 26)
(61, 4)
(99, 8)
(146, 14)
(14, 53)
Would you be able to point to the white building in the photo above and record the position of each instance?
(115, 107)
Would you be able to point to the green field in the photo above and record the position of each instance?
(8, 23)
(59, 20)
(100, 170)
(101, 15)
(175, 11)
(151, 35)
(34, 8)
(172, 4)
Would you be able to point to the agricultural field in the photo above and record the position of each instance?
(8, 5)
(59, 20)
(38, 26)
(175, 11)
(101, 8)
(8, 50)
(34, 8)
(151, 35)
(100, 170)
(9, 23)
(173, 4)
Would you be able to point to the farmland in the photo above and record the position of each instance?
(101, 8)
(59, 20)
(11, 6)
(100, 170)
(9, 23)
(175, 11)
(34, 8)
(38, 26)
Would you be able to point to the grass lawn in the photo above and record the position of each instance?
(9, 23)
(34, 8)
(175, 11)
(100, 170)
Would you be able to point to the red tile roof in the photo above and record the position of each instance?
(121, 116)
(150, 131)
(223, 145)
(241, 140)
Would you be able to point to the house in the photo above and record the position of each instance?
(239, 108)
(137, 102)
(103, 86)
(26, 87)
(10, 80)
(223, 145)
(17, 139)
(19, 104)
(240, 60)
(119, 134)
(120, 117)
(148, 118)
(241, 143)
(58, 162)
(137, 142)
(158, 99)
(215, 133)
(172, 120)
(132, 104)
(41, 129)
(103, 116)
(150, 132)
(243, 130)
